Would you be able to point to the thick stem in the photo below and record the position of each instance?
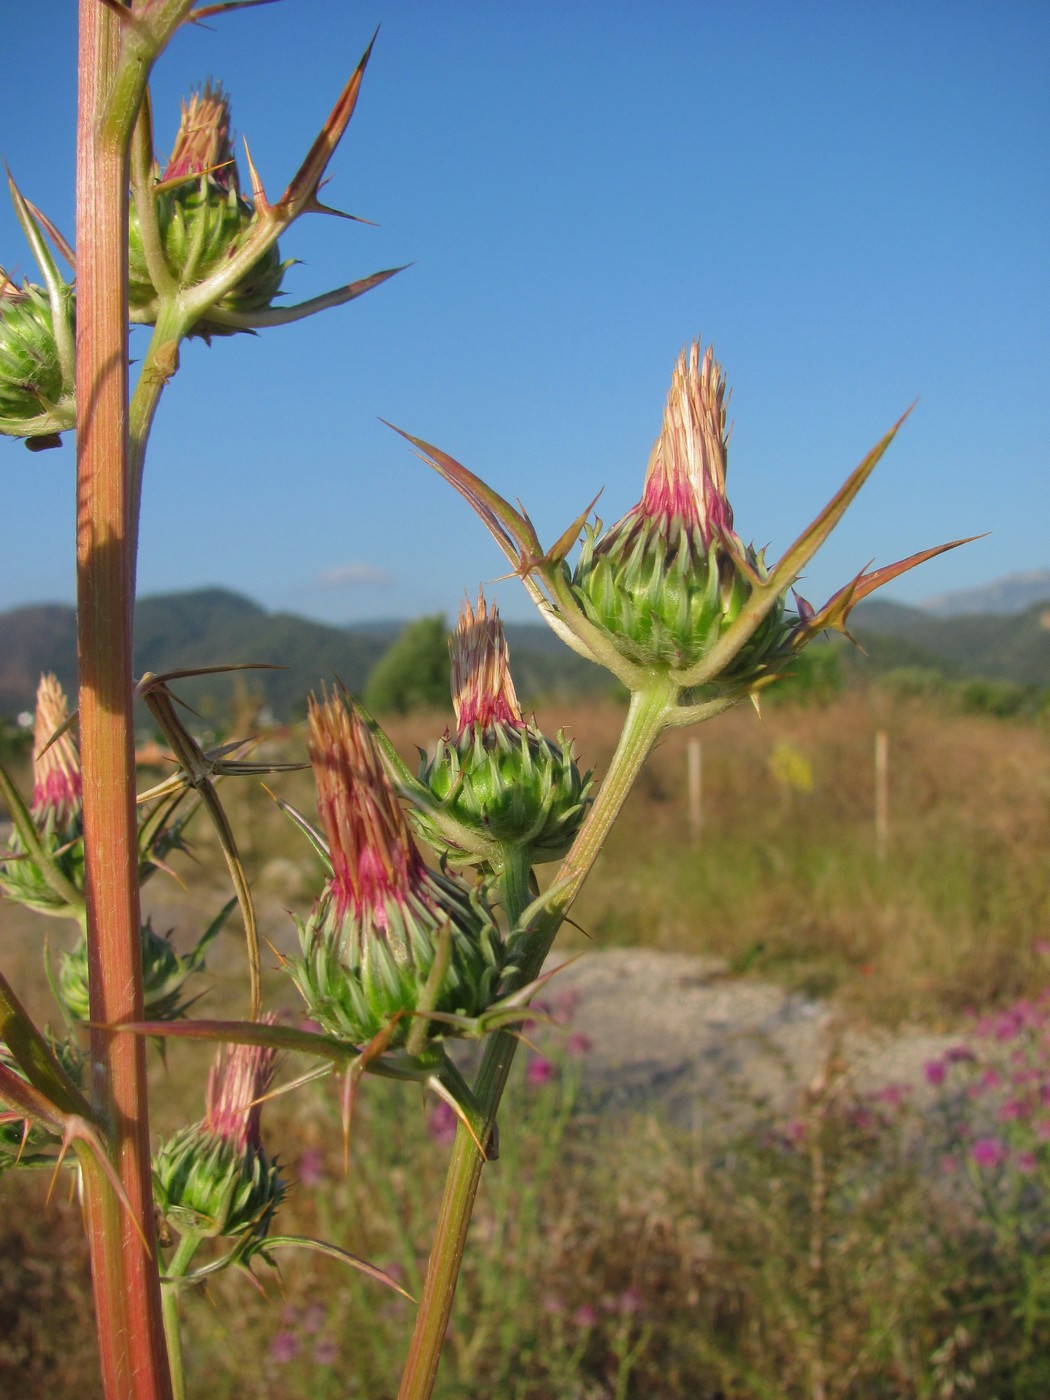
(121, 1237)
(648, 714)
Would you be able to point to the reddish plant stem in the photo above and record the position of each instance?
(121, 1236)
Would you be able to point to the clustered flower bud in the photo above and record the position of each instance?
(214, 1178)
(37, 392)
(498, 775)
(389, 940)
(670, 577)
(201, 216)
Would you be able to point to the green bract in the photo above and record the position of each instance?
(24, 1142)
(211, 1186)
(201, 225)
(36, 397)
(665, 599)
(510, 784)
(434, 947)
(22, 879)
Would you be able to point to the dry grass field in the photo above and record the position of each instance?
(620, 1260)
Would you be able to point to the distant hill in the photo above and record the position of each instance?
(208, 627)
(1013, 647)
(212, 626)
(1015, 593)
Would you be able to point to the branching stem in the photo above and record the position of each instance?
(648, 715)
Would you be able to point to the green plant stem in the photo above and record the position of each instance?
(120, 1235)
(175, 1272)
(648, 715)
(159, 365)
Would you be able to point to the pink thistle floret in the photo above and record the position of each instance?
(1013, 1110)
(237, 1083)
(686, 478)
(989, 1152)
(284, 1347)
(373, 857)
(934, 1070)
(56, 761)
(202, 145)
(539, 1072)
(482, 689)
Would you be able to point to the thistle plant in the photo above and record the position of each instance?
(397, 958)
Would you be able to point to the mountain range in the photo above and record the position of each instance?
(215, 627)
(1000, 632)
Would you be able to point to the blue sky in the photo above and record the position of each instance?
(852, 201)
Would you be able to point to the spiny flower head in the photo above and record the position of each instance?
(498, 777)
(374, 860)
(201, 218)
(165, 974)
(37, 392)
(214, 1178)
(44, 867)
(671, 576)
(383, 919)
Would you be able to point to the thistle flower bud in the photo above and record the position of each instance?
(35, 870)
(388, 937)
(56, 808)
(164, 974)
(201, 216)
(215, 1178)
(37, 393)
(499, 775)
(56, 760)
(670, 577)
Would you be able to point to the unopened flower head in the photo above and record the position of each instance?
(215, 1178)
(165, 974)
(671, 575)
(384, 919)
(499, 776)
(201, 217)
(56, 812)
(37, 394)
(56, 759)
